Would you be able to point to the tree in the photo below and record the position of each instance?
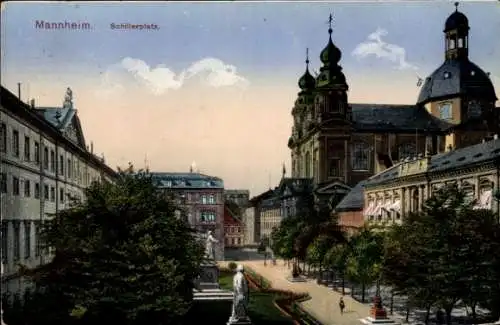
(121, 255)
(365, 258)
(336, 258)
(445, 253)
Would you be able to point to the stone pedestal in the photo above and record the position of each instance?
(246, 321)
(209, 277)
(378, 314)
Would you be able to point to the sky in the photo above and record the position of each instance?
(215, 83)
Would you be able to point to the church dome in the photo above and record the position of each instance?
(457, 78)
(330, 54)
(456, 20)
(307, 81)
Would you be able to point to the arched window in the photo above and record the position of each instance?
(406, 150)
(360, 156)
(308, 164)
(469, 192)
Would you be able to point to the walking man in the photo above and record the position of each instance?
(341, 305)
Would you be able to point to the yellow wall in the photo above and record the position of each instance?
(456, 114)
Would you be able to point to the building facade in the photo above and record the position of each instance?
(249, 222)
(270, 216)
(334, 140)
(45, 163)
(201, 198)
(234, 230)
(394, 193)
(295, 195)
(256, 204)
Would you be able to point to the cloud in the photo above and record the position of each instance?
(374, 45)
(211, 71)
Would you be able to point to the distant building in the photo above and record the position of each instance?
(201, 198)
(45, 163)
(270, 216)
(256, 205)
(234, 230)
(350, 210)
(295, 195)
(239, 197)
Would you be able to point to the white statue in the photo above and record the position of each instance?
(241, 297)
(210, 246)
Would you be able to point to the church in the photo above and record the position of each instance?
(338, 143)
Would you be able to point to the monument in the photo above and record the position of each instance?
(239, 315)
(378, 314)
(207, 284)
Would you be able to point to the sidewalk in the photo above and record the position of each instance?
(323, 304)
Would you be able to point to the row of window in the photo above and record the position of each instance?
(208, 199)
(233, 241)
(72, 170)
(29, 190)
(208, 216)
(233, 229)
(16, 240)
(361, 159)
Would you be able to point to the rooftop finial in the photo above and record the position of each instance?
(307, 57)
(330, 22)
(456, 6)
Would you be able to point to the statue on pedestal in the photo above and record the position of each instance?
(210, 246)
(241, 298)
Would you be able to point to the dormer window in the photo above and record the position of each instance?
(445, 111)
(447, 75)
(460, 43)
(473, 73)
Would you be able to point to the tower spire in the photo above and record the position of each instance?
(307, 58)
(456, 6)
(284, 170)
(330, 22)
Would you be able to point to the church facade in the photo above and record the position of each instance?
(337, 143)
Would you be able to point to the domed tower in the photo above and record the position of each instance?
(303, 116)
(459, 92)
(331, 85)
(333, 117)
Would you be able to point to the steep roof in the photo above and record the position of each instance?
(394, 118)
(294, 186)
(353, 201)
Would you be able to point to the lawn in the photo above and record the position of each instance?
(261, 309)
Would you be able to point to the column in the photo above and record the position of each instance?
(420, 197)
(403, 200)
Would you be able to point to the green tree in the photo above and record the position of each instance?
(365, 258)
(121, 255)
(336, 258)
(445, 253)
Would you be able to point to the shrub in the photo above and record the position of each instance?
(232, 266)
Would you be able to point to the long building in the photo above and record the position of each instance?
(45, 163)
(201, 198)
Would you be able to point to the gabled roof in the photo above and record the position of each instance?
(294, 186)
(259, 198)
(64, 118)
(402, 118)
(229, 217)
(469, 156)
(353, 201)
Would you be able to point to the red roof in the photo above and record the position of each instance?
(229, 219)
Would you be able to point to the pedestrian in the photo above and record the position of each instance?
(341, 305)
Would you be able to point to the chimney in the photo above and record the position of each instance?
(91, 147)
(19, 90)
(32, 103)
